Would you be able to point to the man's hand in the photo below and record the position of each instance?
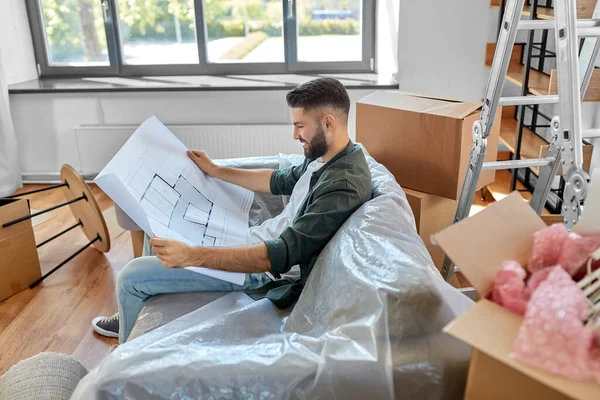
(171, 253)
(203, 162)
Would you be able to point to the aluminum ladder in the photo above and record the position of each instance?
(566, 147)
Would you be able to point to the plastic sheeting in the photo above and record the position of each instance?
(368, 325)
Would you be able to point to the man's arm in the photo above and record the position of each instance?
(257, 180)
(246, 259)
(309, 233)
(280, 181)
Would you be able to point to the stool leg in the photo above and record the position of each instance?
(137, 241)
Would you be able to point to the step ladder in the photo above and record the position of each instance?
(566, 147)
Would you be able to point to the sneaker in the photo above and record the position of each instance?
(107, 326)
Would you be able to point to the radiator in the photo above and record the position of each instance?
(97, 144)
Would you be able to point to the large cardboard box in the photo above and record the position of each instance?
(425, 142)
(478, 245)
(19, 262)
(432, 214)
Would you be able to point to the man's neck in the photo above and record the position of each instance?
(334, 148)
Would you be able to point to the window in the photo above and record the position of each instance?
(186, 37)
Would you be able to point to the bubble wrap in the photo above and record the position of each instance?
(547, 247)
(552, 336)
(509, 288)
(576, 251)
(535, 279)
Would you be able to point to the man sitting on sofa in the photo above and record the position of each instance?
(333, 181)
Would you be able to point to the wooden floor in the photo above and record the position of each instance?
(55, 316)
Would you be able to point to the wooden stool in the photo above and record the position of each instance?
(85, 209)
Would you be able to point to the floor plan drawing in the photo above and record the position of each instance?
(161, 189)
(169, 193)
(180, 207)
(179, 200)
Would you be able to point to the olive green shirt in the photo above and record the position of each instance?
(336, 190)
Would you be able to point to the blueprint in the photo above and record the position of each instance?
(153, 180)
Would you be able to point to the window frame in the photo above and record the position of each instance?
(118, 68)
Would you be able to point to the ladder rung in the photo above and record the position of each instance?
(535, 24)
(588, 32)
(546, 24)
(528, 100)
(515, 164)
(591, 133)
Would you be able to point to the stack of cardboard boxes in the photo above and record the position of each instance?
(425, 142)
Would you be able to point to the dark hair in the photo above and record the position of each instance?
(320, 92)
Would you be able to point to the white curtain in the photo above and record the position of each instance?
(10, 176)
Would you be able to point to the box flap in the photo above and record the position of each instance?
(479, 244)
(492, 329)
(427, 96)
(415, 193)
(421, 104)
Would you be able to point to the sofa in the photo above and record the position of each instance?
(367, 325)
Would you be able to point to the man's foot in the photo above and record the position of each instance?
(107, 326)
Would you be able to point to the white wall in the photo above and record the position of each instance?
(387, 37)
(16, 48)
(441, 47)
(45, 122)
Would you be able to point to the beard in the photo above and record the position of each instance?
(318, 145)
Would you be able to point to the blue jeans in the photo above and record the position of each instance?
(145, 277)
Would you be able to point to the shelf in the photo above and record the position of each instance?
(585, 9)
(542, 12)
(539, 83)
(501, 188)
(593, 91)
(532, 146)
(530, 142)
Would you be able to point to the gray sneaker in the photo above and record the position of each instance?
(107, 326)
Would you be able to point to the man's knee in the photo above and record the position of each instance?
(135, 271)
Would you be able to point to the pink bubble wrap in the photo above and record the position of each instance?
(552, 336)
(576, 251)
(535, 279)
(509, 288)
(547, 247)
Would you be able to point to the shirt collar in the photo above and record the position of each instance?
(347, 150)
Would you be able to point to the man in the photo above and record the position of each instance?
(332, 182)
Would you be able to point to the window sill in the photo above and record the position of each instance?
(194, 83)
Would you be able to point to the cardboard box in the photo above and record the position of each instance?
(432, 214)
(19, 262)
(425, 142)
(478, 245)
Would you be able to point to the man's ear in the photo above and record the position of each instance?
(330, 121)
